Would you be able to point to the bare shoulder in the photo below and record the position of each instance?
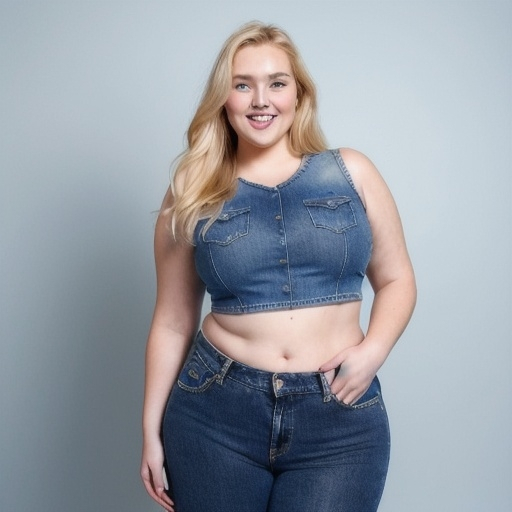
(363, 171)
(353, 157)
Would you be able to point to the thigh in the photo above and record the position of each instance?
(215, 480)
(351, 488)
(215, 442)
(338, 457)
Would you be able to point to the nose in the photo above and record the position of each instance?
(260, 98)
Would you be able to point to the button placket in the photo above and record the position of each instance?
(283, 259)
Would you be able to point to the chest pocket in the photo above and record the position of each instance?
(229, 226)
(332, 213)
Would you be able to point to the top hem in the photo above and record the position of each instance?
(294, 304)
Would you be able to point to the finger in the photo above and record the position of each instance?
(160, 497)
(155, 488)
(333, 363)
(341, 380)
(345, 387)
(165, 501)
(329, 376)
(148, 484)
(347, 399)
(350, 396)
(159, 483)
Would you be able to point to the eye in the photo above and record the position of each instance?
(278, 85)
(241, 87)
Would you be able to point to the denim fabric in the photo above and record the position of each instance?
(238, 439)
(302, 243)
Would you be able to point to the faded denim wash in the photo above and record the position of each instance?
(305, 242)
(238, 439)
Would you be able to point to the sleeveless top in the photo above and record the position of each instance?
(305, 242)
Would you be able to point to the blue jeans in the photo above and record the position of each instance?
(238, 439)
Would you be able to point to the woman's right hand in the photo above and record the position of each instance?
(151, 472)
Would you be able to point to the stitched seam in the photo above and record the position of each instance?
(266, 306)
(343, 264)
(346, 173)
(212, 261)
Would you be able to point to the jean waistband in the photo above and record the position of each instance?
(279, 384)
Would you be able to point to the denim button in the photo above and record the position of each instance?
(286, 288)
(323, 214)
(279, 383)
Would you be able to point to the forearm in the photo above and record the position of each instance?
(392, 308)
(165, 353)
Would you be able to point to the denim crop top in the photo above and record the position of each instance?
(306, 242)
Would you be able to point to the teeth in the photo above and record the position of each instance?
(262, 119)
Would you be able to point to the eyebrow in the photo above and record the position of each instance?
(273, 76)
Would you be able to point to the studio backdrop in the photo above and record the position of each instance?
(95, 98)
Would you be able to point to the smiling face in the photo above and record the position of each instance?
(261, 105)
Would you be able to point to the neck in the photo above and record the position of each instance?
(248, 156)
(267, 166)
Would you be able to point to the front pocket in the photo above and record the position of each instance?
(229, 226)
(370, 397)
(332, 213)
(195, 376)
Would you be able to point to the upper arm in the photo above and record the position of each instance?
(390, 259)
(179, 289)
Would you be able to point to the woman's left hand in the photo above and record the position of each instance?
(358, 366)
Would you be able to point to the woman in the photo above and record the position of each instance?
(277, 406)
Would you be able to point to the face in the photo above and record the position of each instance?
(262, 101)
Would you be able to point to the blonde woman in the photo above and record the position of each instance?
(274, 404)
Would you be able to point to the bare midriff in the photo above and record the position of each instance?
(298, 340)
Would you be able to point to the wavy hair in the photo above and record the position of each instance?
(205, 173)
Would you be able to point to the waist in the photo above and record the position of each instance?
(268, 382)
(286, 341)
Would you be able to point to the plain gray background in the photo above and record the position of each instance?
(95, 98)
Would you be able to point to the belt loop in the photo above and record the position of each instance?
(224, 370)
(325, 388)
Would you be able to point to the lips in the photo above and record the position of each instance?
(261, 119)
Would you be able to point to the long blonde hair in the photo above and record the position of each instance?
(205, 175)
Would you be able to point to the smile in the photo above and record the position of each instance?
(261, 119)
